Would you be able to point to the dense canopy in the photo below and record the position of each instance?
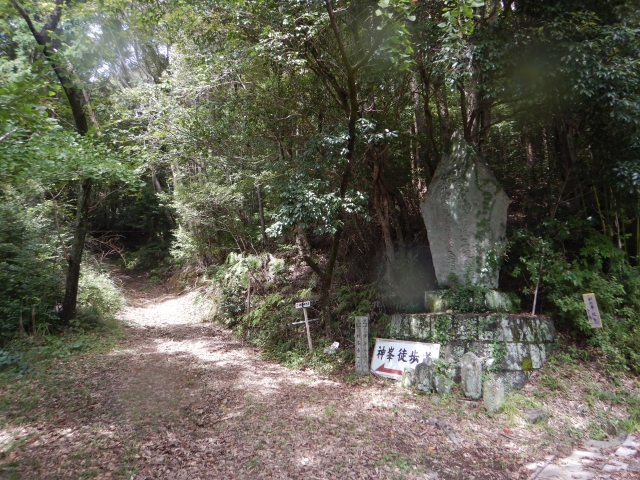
(205, 138)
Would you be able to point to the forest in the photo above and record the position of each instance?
(199, 140)
(259, 153)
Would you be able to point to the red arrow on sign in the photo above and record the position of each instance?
(383, 369)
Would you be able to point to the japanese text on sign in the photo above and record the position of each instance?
(592, 310)
(303, 304)
(391, 357)
(362, 344)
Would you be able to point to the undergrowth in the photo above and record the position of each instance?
(610, 402)
(255, 296)
(569, 258)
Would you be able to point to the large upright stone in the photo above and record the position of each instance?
(471, 375)
(465, 211)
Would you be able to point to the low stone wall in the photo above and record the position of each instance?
(510, 345)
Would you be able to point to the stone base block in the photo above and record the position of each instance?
(511, 346)
(492, 300)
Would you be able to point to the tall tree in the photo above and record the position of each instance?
(79, 104)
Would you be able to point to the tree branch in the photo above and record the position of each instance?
(7, 134)
(23, 13)
(336, 33)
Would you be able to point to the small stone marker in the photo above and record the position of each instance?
(362, 344)
(592, 309)
(493, 395)
(471, 375)
(442, 384)
(408, 378)
(424, 375)
(533, 415)
(331, 349)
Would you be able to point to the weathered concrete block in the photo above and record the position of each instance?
(465, 211)
(533, 415)
(471, 375)
(442, 384)
(408, 378)
(424, 375)
(512, 380)
(493, 395)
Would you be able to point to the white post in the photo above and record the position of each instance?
(306, 322)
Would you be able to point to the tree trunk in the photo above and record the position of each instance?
(261, 213)
(443, 114)
(78, 101)
(69, 303)
(158, 188)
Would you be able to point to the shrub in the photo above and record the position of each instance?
(31, 267)
(596, 266)
(99, 298)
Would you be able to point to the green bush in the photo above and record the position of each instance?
(31, 263)
(33, 268)
(99, 298)
(596, 266)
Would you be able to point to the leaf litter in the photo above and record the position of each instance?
(179, 399)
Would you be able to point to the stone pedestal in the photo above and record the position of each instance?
(509, 345)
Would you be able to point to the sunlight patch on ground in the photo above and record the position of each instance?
(170, 312)
(205, 350)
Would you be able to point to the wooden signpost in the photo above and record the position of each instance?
(304, 306)
(592, 310)
(362, 345)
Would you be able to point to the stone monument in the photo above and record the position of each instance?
(465, 211)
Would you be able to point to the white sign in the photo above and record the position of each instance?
(362, 344)
(303, 304)
(391, 357)
(592, 309)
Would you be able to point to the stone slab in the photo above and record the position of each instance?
(430, 327)
(533, 415)
(471, 375)
(465, 212)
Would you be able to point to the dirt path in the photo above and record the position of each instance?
(178, 399)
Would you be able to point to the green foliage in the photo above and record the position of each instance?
(571, 259)
(99, 299)
(31, 271)
(466, 299)
(149, 256)
(32, 268)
